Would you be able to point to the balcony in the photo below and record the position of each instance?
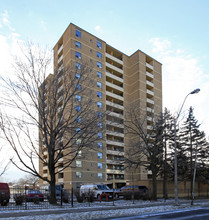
(114, 76)
(114, 105)
(115, 143)
(114, 162)
(150, 119)
(110, 171)
(60, 59)
(115, 114)
(114, 86)
(150, 75)
(114, 133)
(151, 93)
(115, 124)
(114, 152)
(150, 110)
(149, 66)
(149, 83)
(60, 89)
(60, 180)
(60, 49)
(115, 96)
(114, 58)
(150, 101)
(114, 67)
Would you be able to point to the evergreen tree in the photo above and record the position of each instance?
(192, 142)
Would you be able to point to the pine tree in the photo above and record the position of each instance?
(193, 142)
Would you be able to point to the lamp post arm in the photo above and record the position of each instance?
(181, 107)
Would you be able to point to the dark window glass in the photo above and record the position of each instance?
(99, 44)
(78, 108)
(99, 144)
(99, 84)
(78, 33)
(99, 74)
(99, 55)
(99, 114)
(78, 76)
(99, 94)
(78, 65)
(99, 104)
(99, 65)
(78, 87)
(78, 44)
(78, 55)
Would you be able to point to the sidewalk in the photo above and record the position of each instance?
(95, 210)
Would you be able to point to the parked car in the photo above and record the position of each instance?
(34, 194)
(58, 188)
(141, 191)
(96, 189)
(4, 193)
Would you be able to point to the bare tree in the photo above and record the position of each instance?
(29, 180)
(58, 115)
(3, 165)
(146, 143)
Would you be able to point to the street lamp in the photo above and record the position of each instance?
(175, 155)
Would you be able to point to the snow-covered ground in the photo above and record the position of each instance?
(90, 213)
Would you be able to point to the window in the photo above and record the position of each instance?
(99, 175)
(78, 87)
(78, 33)
(78, 108)
(91, 60)
(79, 152)
(99, 134)
(99, 55)
(78, 130)
(99, 114)
(99, 44)
(99, 124)
(99, 104)
(99, 94)
(99, 155)
(91, 50)
(78, 163)
(78, 174)
(99, 65)
(78, 65)
(99, 74)
(99, 165)
(78, 55)
(91, 40)
(99, 84)
(78, 98)
(78, 119)
(99, 145)
(78, 44)
(77, 76)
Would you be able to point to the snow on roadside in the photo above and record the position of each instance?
(103, 214)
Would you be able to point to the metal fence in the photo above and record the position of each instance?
(23, 198)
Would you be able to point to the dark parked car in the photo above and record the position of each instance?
(34, 194)
(141, 191)
(4, 193)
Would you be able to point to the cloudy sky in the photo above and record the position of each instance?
(176, 33)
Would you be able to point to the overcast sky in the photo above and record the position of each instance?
(176, 33)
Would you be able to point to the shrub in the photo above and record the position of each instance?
(78, 196)
(18, 199)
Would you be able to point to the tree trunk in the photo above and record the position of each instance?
(154, 186)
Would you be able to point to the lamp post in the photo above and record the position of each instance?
(175, 153)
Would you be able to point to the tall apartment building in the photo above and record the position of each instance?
(122, 80)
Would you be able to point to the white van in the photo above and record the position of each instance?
(96, 189)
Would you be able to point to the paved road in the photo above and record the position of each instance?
(197, 214)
